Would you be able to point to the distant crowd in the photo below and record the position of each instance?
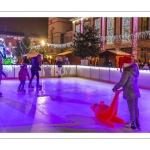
(92, 62)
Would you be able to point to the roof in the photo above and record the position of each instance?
(32, 53)
(64, 53)
(117, 52)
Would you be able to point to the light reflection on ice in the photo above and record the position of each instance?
(43, 99)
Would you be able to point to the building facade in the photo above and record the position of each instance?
(59, 32)
(11, 38)
(127, 34)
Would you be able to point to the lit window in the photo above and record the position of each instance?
(86, 24)
(110, 30)
(78, 28)
(145, 24)
(98, 26)
(126, 28)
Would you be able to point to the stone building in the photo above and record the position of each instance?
(127, 34)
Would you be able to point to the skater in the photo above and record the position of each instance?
(35, 68)
(1, 72)
(23, 73)
(129, 83)
(59, 64)
(67, 70)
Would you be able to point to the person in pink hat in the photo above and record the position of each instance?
(129, 84)
(23, 73)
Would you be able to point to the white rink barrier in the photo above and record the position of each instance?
(99, 73)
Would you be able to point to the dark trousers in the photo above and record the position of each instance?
(34, 73)
(21, 85)
(133, 109)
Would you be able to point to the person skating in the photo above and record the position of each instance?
(1, 72)
(23, 73)
(59, 64)
(129, 83)
(35, 68)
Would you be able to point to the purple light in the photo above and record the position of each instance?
(135, 30)
(81, 25)
(103, 29)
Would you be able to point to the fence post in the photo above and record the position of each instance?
(109, 74)
(90, 71)
(76, 70)
(14, 70)
(99, 72)
(54, 70)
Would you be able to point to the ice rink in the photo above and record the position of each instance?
(63, 106)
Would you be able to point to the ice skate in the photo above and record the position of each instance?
(23, 91)
(31, 86)
(38, 86)
(138, 124)
(130, 125)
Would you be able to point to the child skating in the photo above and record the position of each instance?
(23, 73)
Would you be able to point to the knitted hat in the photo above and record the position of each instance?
(125, 59)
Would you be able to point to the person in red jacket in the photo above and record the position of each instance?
(23, 73)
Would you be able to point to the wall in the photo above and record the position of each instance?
(106, 74)
(140, 43)
(57, 26)
(68, 37)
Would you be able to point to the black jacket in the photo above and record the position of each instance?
(59, 63)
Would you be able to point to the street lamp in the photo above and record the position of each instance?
(42, 42)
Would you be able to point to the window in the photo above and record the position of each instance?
(52, 38)
(126, 28)
(78, 28)
(110, 30)
(98, 26)
(61, 38)
(127, 50)
(145, 24)
(86, 24)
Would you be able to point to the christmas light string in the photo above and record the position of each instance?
(139, 35)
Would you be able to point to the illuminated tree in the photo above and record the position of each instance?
(23, 46)
(86, 44)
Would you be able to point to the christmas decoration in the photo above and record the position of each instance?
(69, 44)
(86, 44)
(23, 46)
(5, 53)
(2, 48)
(7, 61)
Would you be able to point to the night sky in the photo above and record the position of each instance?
(31, 25)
